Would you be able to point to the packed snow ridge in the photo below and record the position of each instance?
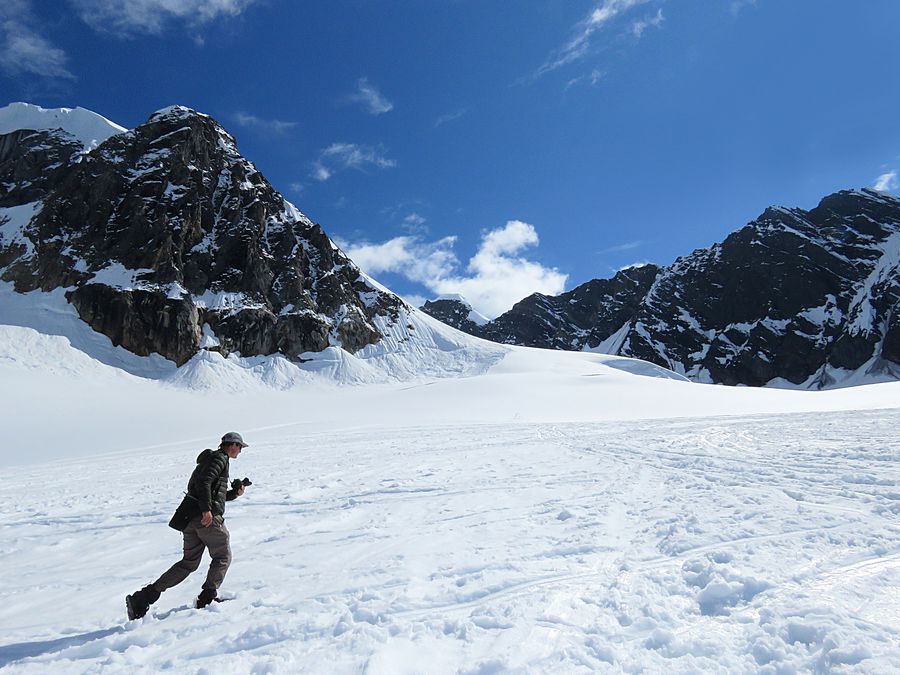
(88, 127)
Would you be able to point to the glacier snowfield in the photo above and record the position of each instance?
(766, 543)
(442, 505)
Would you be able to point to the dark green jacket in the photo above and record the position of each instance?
(209, 482)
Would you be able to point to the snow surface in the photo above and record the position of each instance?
(13, 221)
(453, 507)
(88, 127)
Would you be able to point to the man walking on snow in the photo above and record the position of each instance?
(207, 492)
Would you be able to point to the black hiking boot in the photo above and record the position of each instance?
(138, 603)
(207, 595)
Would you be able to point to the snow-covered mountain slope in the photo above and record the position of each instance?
(802, 299)
(425, 371)
(87, 127)
(414, 347)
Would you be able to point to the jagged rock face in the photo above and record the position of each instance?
(165, 228)
(793, 295)
(31, 163)
(803, 296)
(584, 316)
(142, 321)
(452, 312)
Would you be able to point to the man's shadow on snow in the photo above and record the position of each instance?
(23, 650)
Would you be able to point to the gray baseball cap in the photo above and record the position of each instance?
(233, 437)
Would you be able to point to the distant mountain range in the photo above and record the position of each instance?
(795, 298)
(168, 241)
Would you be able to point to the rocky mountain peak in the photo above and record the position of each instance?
(454, 310)
(167, 228)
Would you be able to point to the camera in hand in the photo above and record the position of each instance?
(238, 482)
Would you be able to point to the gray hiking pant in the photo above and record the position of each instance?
(196, 539)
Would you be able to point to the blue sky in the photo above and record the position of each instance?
(498, 147)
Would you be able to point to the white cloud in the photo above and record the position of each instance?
(126, 17)
(419, 261)
(627, 246)
(340, 156)
(886, 182)
(370, 97)
(580, 43)
(23, 50)
(639, 26)
(494, 279)
(450, 117)
(508, 240)
(259, 124)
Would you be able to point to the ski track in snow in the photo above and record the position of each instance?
(758, 544)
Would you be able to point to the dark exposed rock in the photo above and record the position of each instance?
(141, 321)
(31, 163)
(453, 312)
(583, 317)
(795, 294)
(165, 228)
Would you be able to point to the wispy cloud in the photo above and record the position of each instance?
(414, 223)
(23, 50)
(493, 279)
(26, 50)
(737, 5)
(638, 27)
(579, 45)
(450, 117)
(372, 99)
(407, 214)
(128, 17)
(340, 156)
(886, 182)
(259, 124)
(591, 79)
(627, 246)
